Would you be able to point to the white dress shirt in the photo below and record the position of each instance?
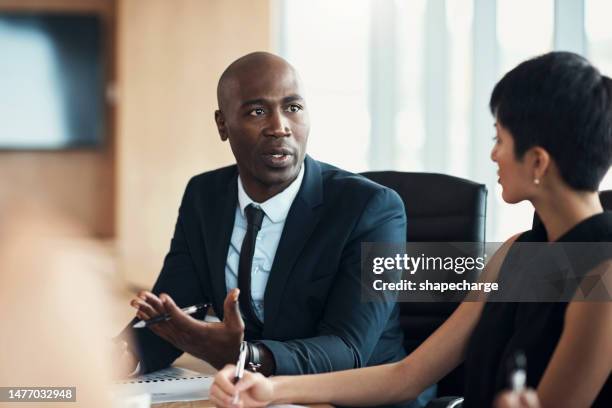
(275, 209)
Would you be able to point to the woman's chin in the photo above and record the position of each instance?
(508, 197)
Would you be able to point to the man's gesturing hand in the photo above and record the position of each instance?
(216, 343)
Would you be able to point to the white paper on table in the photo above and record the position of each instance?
(167, 385)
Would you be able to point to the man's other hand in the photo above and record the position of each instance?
(216, 343)
(124, 360)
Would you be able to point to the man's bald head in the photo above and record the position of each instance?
(249, 68)
(263, 115)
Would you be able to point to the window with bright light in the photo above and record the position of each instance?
(329, 43)
(524, 30)
(404, 85)
(459, 18)
(599, 46)
(409, 134)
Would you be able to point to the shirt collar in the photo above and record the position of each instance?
(277, 207)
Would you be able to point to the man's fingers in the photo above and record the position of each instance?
(231, 311)
(180, 319)
(142, 316)
(153, 301)
(144, 307)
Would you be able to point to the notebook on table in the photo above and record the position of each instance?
(167, 385)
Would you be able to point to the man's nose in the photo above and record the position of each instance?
(278, 125)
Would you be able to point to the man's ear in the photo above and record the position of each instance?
(220, 121)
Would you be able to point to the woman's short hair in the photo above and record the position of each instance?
(562, 103)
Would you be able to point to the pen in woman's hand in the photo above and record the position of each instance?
(518, 373)
(239, 373)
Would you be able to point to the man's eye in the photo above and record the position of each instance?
(294, 108)
(257, 112)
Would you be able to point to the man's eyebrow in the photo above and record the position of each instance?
(262, 101)
(252, 102)
(292, 98)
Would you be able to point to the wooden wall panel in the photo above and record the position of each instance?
(171, 54)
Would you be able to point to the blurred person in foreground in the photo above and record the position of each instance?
(54, 307)
(553, 146)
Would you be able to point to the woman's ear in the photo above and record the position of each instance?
(540, 162)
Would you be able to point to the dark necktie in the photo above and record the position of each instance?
(254, 218)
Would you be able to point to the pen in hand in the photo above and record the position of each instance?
(239, 373)
(518, 374)
(166, 316)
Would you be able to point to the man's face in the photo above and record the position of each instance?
(265, 119)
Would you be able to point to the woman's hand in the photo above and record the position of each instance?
(253, 390)
(523, 399)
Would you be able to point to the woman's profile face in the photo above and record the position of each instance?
(513, 174)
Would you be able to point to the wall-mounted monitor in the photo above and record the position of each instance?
(52, 81)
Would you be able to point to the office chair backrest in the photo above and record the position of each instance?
(439, 208)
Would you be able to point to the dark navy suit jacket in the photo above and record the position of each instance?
(315, 320)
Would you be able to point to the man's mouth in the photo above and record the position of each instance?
(278, 151)
(278, 158)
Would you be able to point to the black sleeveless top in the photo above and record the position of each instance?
(533, 328)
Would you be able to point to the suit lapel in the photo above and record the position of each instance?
(217, 237)
(301, 221)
